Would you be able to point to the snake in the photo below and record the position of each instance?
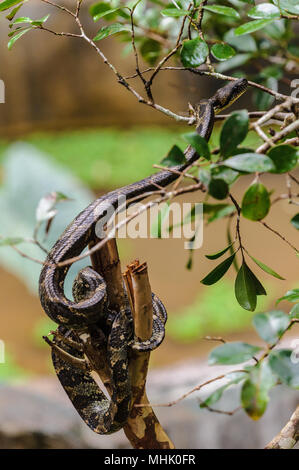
(112, 332)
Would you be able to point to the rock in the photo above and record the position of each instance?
(38, 414)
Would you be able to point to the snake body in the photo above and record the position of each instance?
(89, 312)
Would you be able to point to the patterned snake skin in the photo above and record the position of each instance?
(89, 316)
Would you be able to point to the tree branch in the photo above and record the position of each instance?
(288, 436)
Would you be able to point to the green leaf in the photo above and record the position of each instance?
(271, 325)
(291, 296)
(16, 37)
(219, 253)
(13, 13)
(266, 268)
(217, 211)
(105, 13)
(246, 288)
(294, 312)
(259, 288)
(256, 202)
(244, 44)
(174, 157)
(286, 366)
(218, 188)
(198, 143)
(22, 19)
(194, 52)
(8, 3)
(221, 10)
(106, 31)
(204, 176)
(226, 174)
(232, 353)
(252, 26)
(235, 377)
(150, 50)
(25, 19)
(262, 99)
(218, 272)
(222, 51)
(264, 10)
(9, 241)
(99, 10)
(284, 158)
(174, 12)
(255, 390)
(295, 221)
(233, 132)
(288, 5)
(250, 162)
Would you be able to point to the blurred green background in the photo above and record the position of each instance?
(80, 132)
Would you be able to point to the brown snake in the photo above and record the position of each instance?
(89, 312)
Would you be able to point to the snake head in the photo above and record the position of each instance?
(85, 284)
(226, 95)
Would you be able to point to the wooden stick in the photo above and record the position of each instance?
(142, 428)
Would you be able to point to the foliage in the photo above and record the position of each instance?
(271, 366)
(209, 39)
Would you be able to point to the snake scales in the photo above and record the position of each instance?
(88, 319)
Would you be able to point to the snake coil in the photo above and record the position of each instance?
(89, 312)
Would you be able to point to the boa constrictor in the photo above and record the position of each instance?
(89, 313)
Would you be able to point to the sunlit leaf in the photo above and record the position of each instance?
(250, 162)
(174, 12)
(222, 51)
(233, 353)
(264, 10)
(252, 26)
(16, 37)
(222, 10)
(8, 4)
(271, 325)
